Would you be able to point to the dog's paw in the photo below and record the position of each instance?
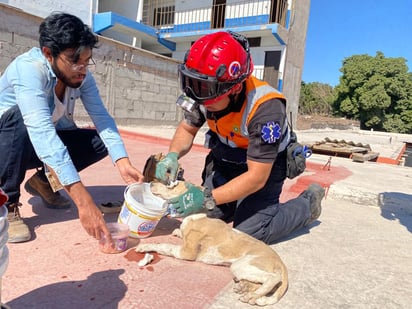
(139, 249)
(177, 233)
(143, 248)
(244, 286)
(240, 287)
(246, 298)
(249, 298)
(237, 288)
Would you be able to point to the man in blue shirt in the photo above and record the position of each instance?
(38, 91)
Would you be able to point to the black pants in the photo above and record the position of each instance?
(259, 214)
(17, 153)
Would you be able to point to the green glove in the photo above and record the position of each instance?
(187, 203)
(166, 169)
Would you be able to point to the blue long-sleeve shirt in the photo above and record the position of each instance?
(29, 82)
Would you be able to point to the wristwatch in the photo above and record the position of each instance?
(209, 202)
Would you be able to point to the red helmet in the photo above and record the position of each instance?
(214, 65)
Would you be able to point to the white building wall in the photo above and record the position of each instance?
(127, 8)
(186, 5)
(83, 9)
(253, 8)
(189, 11)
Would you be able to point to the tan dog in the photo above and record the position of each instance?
(259, 274)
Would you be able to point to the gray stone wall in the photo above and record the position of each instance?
(138, 87)
(295, 55)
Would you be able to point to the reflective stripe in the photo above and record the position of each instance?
(252, 98)
(257, 93)
(285, 141)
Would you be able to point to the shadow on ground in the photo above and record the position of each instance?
(89, 293)
(44, 215)
(397, 206)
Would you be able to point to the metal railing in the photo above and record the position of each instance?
(163, 15)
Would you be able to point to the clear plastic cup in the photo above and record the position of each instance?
(119, 233)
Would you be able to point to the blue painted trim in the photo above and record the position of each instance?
(172, 33)
(247, 21)
(205, 25)
(280, 85)
(277, 37)
(190, 27)
(166, 43)
(106, 20)
(102, 21)
(287, 19)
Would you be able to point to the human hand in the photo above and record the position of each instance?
(189, 202)
(91, 218)
(166, 169)
(128, 172)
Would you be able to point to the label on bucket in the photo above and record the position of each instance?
(146, 228)
(140, 225)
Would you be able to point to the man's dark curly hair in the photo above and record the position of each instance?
(61, 31)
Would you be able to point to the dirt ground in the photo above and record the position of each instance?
(306, 122)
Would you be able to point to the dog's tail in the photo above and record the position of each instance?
(281, 285)
(281, 290)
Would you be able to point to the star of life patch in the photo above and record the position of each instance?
(271, 132)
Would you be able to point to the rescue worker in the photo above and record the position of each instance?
(248, 134)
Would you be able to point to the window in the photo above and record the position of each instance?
(164, 16)
(254, 42)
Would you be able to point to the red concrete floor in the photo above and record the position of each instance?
(61, 266)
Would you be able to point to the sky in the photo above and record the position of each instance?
(338, 29)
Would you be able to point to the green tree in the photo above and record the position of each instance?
(316, 98)
(377, 91)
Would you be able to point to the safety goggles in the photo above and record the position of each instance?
(201, 87)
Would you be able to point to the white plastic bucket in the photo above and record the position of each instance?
(141, 210)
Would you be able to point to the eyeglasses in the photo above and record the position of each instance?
(201, 87)
(80, 67)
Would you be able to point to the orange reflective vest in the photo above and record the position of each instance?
(232, 128)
